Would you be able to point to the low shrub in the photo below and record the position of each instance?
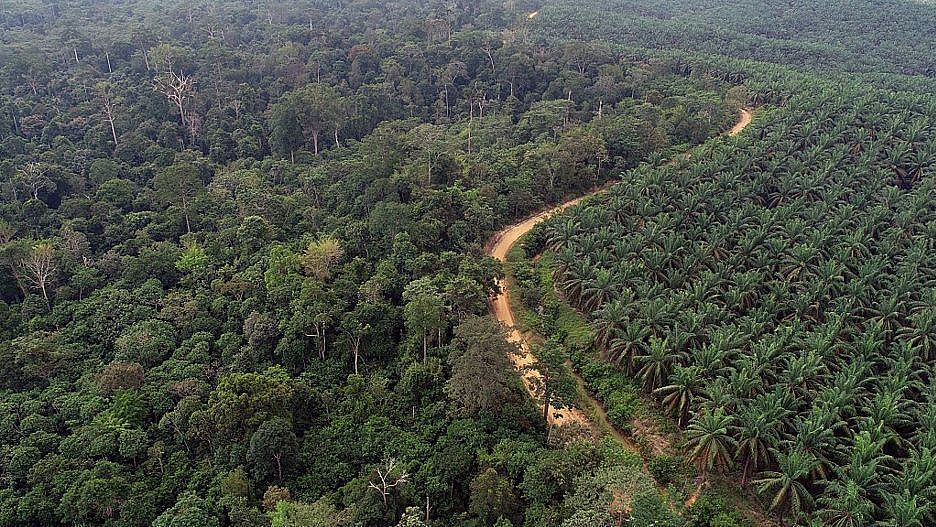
(621, 406)
(650, 511)
(664, 469)
(712, 511)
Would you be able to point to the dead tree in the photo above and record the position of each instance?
(108, 108)
(33, 177)
(38, 267)
(179, 89)
(389, 475)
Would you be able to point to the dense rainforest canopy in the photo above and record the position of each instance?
(242, 276)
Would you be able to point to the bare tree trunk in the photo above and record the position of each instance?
(447, 111)
(110, 119)
(546, 400)
(470, 119)
(188, 223)
(319, 335)
(178, 88)
(194, 125)
(109, 68)
(109, 116)
(145, 57)
(315, 135)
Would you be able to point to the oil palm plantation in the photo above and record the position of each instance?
(779, 298)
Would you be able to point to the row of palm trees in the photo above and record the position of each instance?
(777, 293)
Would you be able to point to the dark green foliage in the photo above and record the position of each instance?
(709, 511)
(189, 511)
(240, 247)
(492, 497)
(648, 510)
(776, 314)
(664, 468)
(616, 392)
(834, 35)
(273, 450)
(480, 361)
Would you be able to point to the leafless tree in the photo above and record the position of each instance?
(33, 177)
(32, 79)
(39, 268)
(389, 475)
(429, 138)
(356, 348)
(487, 46)
(179, 89)
(194, 125)
(447, 76)
(108, 108)
(75, 248)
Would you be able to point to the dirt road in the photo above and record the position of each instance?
(742, 123)
(499, 246)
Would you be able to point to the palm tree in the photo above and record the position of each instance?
(756, 436)
(916, 474)
(709, 440)
(782, 295)
(598, 290)
(562, 234)
(843, 505)
(905, 510)
(921, 333)
(678, 395)
(608, 322)
(628, 343)
(655, 364)
(785, 487)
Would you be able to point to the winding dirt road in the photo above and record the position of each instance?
(745, 119)
(499, 246)
(500, 307)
